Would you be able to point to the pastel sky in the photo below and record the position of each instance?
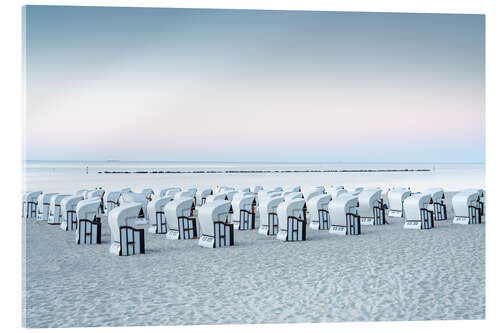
(232, 85)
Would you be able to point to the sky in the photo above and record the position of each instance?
(162, 84)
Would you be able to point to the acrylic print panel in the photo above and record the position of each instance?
(148, 129)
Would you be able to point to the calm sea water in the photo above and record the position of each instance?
(70, 176)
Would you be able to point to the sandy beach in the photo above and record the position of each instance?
(387, 273)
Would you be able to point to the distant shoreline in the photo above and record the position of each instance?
(261, 171)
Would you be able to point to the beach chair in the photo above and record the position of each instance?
(344, 217)
(110, 200)
(201, 196)
(215, 229)
(292, 220)
(417, 214)
(68, 211)
(396, 198)
(481, 201)
(148, 192)
(318, 212)
(157, 220)
(165, 192)
(257, 189)
(268, 215)
(88, 228)
(371, 207)
(438, 205)
(132, 197)
(97, 193)
(467, 207)
(55, 209)
(30, 202)
(244, 211)
(181, 222)
(43, 206)
(126, 239)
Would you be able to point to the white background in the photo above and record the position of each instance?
(11, 138)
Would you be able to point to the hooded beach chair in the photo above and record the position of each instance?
(371, 207)
(88, 227)
(132, 197)
(126, 239)
(467, 208)
(438, 205)
(417, 212)
(268, 215)
(215, 229)
(244, 211)
(30, 202)
(292, 220)
(201, 196)
(43, 206)
(55, 209)
(68, 211)
(181, 222)
(396, 198)
(157, 220)
(344, 217)
(318, 212)
(110, 200)
(148, 192)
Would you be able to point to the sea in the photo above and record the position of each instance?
(70, 176)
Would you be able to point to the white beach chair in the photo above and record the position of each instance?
(216, 197)
(68, 211)
(157, 220)
(180, 220)
(88, 228)
(481, 200)
(244, 211)
(417, 214)
(215, 229)
(131, 197)
(125, 238)
(30, 202)
(344, 216)
(268, 215)
(43, 206)
(201, 196)
(292, 220)
(396, 198)
(148, 192)
(467, 207)
(257, 189)
(55, 209)
(311, 194)
(111, 200)
(318, 212)
(371, 207)
(438, 205)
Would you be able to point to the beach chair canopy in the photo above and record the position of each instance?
(243, 202)
(437, 193)
(124, 215)
(367, 200)
(178, 207)
(245, 189)
(257, 189)
(148, 192)
(70, 203)
(396, 198)
(414, 203)
(56, 199)
(164, 191)
(83, 193)
(113, 196)
(157, 205)
(216, 197)
(126, 190)
(316, 203)
(231, 194)
(45, 198)
(293, 188)
(210, 212)
(31, 196)
(270, 205)
(310, 194)
(99, 193)
(292, 196)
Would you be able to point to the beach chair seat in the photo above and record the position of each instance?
(371, 207)
(318, 212)
(417, 212)
(88, 230)
(344, 216)
(292, 220)
(181, 222)
(215, 229)
(126, 239)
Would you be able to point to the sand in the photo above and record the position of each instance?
(387, 273)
